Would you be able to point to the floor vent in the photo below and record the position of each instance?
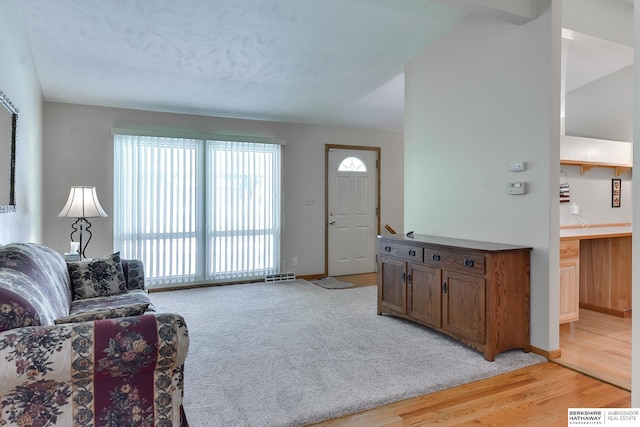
(279, 277)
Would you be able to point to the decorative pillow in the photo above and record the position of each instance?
(97, 277)
(107, 313)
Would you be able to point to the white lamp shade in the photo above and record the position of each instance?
(83, 203)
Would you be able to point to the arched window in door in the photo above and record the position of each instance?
(352, 164)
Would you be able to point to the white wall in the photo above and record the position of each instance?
(78, 149)
(18, 80)
(635, 326)
(607, 19)
(479, 98)
(592, 193)
(602, 109)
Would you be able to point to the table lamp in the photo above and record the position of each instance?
(82, 204)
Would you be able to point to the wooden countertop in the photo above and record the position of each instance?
(595, 232)
(454, 243)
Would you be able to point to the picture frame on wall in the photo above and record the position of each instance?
(616, 189)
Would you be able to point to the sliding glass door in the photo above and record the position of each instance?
(197, 210)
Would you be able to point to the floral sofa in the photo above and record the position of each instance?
(73, 354)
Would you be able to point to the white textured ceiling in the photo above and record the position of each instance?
(336, 62)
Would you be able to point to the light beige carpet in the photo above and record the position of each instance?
(293, 353)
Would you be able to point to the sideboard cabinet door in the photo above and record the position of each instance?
(464, 299)
(425, 295)
(392, 287)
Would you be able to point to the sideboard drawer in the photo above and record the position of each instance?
(398, 250)
(473, 263)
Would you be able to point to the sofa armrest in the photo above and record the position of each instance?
(133, 270)
(127, 370)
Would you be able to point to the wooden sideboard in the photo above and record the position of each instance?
(475, 292)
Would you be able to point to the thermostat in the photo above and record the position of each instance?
(517, 166)
(517, 188)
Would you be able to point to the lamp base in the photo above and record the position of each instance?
(79, 226)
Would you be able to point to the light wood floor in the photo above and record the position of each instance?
(599, 345)
(366, 279)
(533, 396)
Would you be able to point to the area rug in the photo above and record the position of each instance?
(293, 353)
(332, 283)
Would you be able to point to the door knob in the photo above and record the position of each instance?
(332, 222)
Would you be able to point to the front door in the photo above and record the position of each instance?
(352, 211)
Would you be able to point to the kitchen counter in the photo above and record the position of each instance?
(595, 232)
(595, 270)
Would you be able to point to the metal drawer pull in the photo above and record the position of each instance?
(468, 263)
(412, 253)
(387, 248)
(435, 257)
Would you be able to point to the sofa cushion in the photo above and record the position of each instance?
(97, 277)
(86, 305)
(106, 313)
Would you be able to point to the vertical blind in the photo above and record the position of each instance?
(197, 210)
